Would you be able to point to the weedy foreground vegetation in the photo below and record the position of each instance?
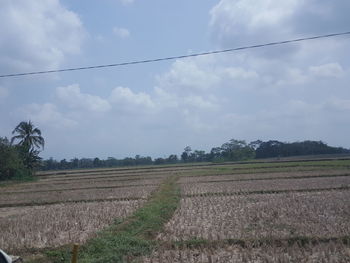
(259, 212)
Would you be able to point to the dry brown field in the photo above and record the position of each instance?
(261, 216)
(222, 253)
(90, 184)
(259, 212)
(60, 224)
(284, 184)
(52, 212)
(262, 176)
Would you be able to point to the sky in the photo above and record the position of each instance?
(291, 92)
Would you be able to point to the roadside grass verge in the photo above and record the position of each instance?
(129, 238)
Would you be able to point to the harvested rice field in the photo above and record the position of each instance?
(279, 211)
(55, 225)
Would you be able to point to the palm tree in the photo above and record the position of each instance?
(29, 136)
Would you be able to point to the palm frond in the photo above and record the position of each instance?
(37, 131)
(15, 138)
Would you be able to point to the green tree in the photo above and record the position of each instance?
(29, 143)
(11, 163)
(185, 155)
(29, 136)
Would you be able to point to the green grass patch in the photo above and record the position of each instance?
(20, 178)
(131, 237)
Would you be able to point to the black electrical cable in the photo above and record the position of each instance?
(175, 57)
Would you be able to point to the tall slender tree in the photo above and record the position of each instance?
(29, 143)
(29, 136)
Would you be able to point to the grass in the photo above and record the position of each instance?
(24, 178)
(131, 237)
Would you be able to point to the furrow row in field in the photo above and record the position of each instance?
(38, 187)
(43, 203)
(82, 188)
(98, 174)
(265, 185)
(266, 192)
(48, 180)
(203, 167)
(55, 225)
(264, 176)
(97, 179)
(220, 180)
(209, 173)
(317, 214)
(73, 196)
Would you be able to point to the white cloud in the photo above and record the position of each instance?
(125, 97)
(240, 73)
(188, 75)
(74, 98)
(236, 22)
(293, 76)
(47, 115)
(327, 70)
(36, 35)
(199, 102)
(121, 32)
(166, 99)
(250, 13)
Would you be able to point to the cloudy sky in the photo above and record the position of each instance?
(291, 92)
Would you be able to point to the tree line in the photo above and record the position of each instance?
(19, 157)
(233, 150)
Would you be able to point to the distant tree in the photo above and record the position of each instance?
(97, 162)
(237, 150)
(29, 143)
(111, 161)
(215, 154)
(255, 144)
(128, 161)
(63, 164)
(29, 136)
(199, 156)
(159, 161)
(75, 162)
(86, 163)
(186, 154)
(172, 158)
(282, 149)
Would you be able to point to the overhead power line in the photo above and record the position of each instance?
(176, 57)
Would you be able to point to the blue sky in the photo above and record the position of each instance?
(289, 93)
